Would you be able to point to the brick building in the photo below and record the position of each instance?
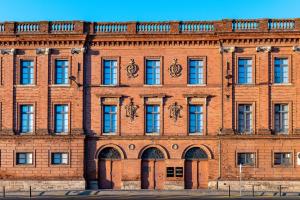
(168, 105)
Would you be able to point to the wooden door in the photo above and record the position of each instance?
(110, 174)
(196, 174)
(152, 174)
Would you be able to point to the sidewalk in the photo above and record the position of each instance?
(144, 193)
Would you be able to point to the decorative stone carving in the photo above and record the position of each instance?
(296, 48)
(175, 111)
(227, 49)
(175, 146)
(8, 51)
(131, 146)
(264, 49)
(78, 50)
(131, 110)
(43, 51)
(175, 68)
(132, 69)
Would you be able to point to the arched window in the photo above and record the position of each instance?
(195, 153)
(153, 153)
(110, 153)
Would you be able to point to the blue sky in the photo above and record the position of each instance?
(145, 10)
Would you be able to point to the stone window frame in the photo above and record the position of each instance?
(196, 99)
(102, 59)
(236, 123)
(245, 56)
(32, 165)
(52, 121)
(50, 152)
(290, 73)
(283, 166)
(154, 99)
(19, 59)
(290, 116)
(53, 68)
(205, 74)
(18, 117)
(114, 100)
(255, 152)
(161, 60)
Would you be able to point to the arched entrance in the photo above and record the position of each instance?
(196, 168)
(152, 169)
(110, 168)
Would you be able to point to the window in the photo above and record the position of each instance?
(110, 119)
(196, 71)
(152, 119)
(281, 70)
(195, 119)
(281, 118)
(174, 172)
(24, 158)
(179, 171)
(61, 118)
(245, 118)
(61, 72)
(27, 72)
(245, 71)
(170, 172)
(152, 72)
(282, 158)
(59, 158)
(110, 72)
(246, 159)
(26, 118)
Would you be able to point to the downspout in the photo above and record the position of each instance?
(222, 113)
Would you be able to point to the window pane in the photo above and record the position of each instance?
(61, 72)
(153, 72)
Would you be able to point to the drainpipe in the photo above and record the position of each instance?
(222, 113)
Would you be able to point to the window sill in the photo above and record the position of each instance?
(196, 85)
(59, 165)
(24, 165)
(246, 166)
(245, 84)
(157, 85)
(60, 85)
(109, 134)
(152, 134)
(196, 134)
(283, 166)
(29, 85)
(58, 134)
(101, 85)
(282, 84)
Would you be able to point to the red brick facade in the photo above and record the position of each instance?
(219, 45)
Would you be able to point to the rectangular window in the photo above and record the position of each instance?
(152, 72)
(110, 119)
(110, 72)
(170, 172)
(26, 118)
(246, 159)
(61, 72)
(283, 159)
(24, 158)
(179, 171)
(196, 72)
(152, 119)
(245, 118)
(245, 71)
(281, 70)
(59, 158)
(195, 119)
(27, 72)
(281, 118)
(61, 119)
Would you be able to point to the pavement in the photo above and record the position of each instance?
(148, 195)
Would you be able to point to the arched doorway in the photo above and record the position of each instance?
(110, 168)
(152, 169)
(196, 168)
